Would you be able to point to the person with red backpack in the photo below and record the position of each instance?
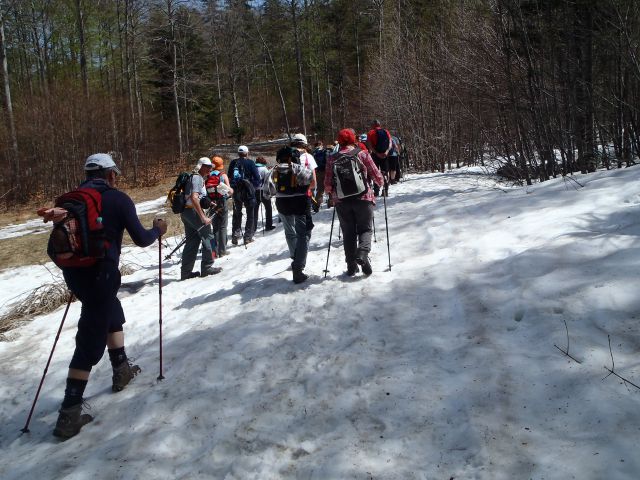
(96, 286)
(380, 145)
(219, 191)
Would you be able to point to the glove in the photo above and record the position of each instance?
(160, 225)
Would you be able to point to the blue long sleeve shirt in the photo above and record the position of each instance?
(118, 214)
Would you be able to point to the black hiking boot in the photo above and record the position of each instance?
(189, 275)
(299, 276)
(363, 261)
(211, 271)
(70, 421)
(123, 374)
(352, 269)
(234, 240)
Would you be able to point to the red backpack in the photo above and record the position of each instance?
(78, 238)
(211, 184)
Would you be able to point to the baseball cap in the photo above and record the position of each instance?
(204, 161)
(243, 149)
(100, 161)
(299, 138)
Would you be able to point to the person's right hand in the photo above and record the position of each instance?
(161, 225)
(206, 220)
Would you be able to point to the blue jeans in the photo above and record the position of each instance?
(297, 235)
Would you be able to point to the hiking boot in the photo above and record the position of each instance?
(363, 261)
(188, 275)
(211, 271)
(234, 240)
(123, 374)
(352, 269)
(248, 240)
(299, 276)
(70, 421)
(269, 228)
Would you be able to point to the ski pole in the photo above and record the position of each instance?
(33, 406)
(261, 218)
(160, 377)
(326, 267)
(386, 223)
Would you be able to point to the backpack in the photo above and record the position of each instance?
(243, 190)
(211, 185)
(177, 195)
(268, 187)
(383, 142)
(320, 155)
(348, 175)
(78, 238)
(285, 179)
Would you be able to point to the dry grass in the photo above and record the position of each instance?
(44, 299)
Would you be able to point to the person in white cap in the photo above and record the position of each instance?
(244, 178)
(101, 315)
(197, 226)
(299, 142)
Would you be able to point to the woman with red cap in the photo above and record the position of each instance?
(355, 212)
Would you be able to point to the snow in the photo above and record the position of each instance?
(444, 367)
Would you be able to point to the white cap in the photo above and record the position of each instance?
(100, 161)
(204, 161)
(243, 149)
(299, 138)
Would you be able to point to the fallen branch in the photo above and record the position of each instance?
(613, 366)
(566, 352)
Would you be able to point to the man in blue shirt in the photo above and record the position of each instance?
(240, 169)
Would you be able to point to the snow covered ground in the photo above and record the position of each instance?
(444, 367)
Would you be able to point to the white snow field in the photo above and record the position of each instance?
(444, 367)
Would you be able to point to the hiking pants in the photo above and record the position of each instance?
(236, 221)
(195, 238)
(219, 226)
(268, 211)
(356, 220)
(319, 188)
(101, 313)
(298, 236)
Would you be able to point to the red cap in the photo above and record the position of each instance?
(346, 137)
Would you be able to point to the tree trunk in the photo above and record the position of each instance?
(83, 48)
(8, 107)
(296, 36)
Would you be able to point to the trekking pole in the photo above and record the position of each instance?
(262, 218)
(160, 377)
(386, 223)
(33, 406)
(326, 267)
(373, 220)
(184, 240)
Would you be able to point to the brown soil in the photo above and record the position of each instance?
(31, 249)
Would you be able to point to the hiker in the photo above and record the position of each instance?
(197, 226)
(380, 144)
(261, 197)
(216, 182)
(96, 286)
(299, 142)
(320, 156)
(393, 160)
(244, 179)
(292, 179)
(355, 212)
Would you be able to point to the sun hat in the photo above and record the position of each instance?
(299, 138)
(218, 163)
(204, 161)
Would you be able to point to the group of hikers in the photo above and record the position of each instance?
(298, 181)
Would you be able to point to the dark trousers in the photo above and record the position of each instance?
(268, 211)
(236, 220)
(101, 313)
(356, 221)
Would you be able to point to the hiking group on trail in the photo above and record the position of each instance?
(89, 223)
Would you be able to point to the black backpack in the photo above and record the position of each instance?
(243, 190)
(177, 196)
(383, 142)
(283, 176)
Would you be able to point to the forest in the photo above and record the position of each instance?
(545, 87)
